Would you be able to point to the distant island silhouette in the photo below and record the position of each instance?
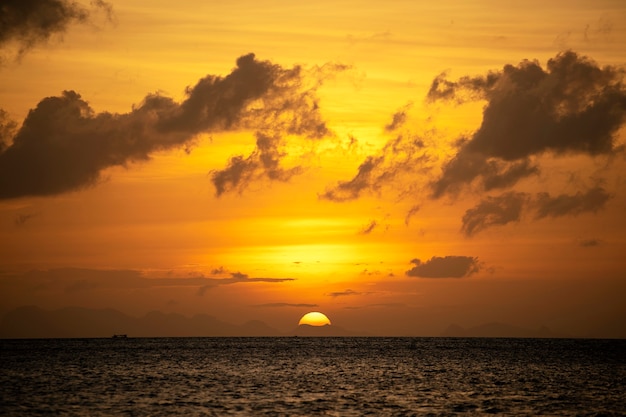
(78, 322)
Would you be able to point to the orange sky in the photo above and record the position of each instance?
(399, 166)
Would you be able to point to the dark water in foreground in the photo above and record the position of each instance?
(312, 376)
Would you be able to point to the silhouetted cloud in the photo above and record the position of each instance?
(532, 115)
(64, 145)
(493, 211)
(264, 161)
(8, 128)
(280, 305)
(30, 22)
(572, 106)
(235, 278)
(80, 279)
(589, 243)
(509, 207)
(444, 267)
(412, 211)
(369, 228)
(566, 204)
(398, 119)
(364, 179)
(345, 293)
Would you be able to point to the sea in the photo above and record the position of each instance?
(312, 376)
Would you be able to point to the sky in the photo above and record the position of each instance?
(400, 166)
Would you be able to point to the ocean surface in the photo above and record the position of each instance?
(293, 376)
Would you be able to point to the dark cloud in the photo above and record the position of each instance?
(295, 111)
(444, 267)
(369, 228)
(364, 180)
(79, 279)
(64, 145)
(412, 211)
(573, 106)
(492, 211)
(466, 166)
(263, 162)
(590, 243)
(533, 114)
(509, 207)
(398, 119)
(280, 305)
(235, 278)
(345, 293)
(8, 128)
(566, 204)
(27, 23)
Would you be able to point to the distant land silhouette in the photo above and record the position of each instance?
(78, 322)
(34, 322)
(500, 330)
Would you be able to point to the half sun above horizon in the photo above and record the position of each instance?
(314, 318)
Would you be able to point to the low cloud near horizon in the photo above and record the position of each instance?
(71, 280)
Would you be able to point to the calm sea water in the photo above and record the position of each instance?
(312, 376)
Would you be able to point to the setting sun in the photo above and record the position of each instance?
(314, 318)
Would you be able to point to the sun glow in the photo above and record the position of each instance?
(314, 318)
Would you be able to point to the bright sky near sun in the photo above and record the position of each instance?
(398, 165)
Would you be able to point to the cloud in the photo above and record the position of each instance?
(444, 267)
(398, 119)
(235, 278)
(565, 204)
(404, 154)
(79, 279)
(264, 161)
(21, 219)
(364, 179)
(412, 212)
(369, 228)
(27, 23)
(63, 145)
(280, 305)
(573, 106)
(589, 243)
(510, 206)
(8, 128)
(492, 211)
(345, 293)
(533, 116)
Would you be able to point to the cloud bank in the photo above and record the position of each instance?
(63, 145)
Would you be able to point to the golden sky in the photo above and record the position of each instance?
(397, 165)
